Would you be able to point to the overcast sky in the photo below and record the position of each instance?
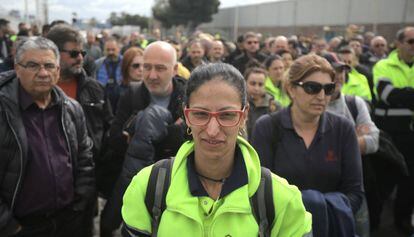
(100, 9)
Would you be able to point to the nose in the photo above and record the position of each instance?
(213, 127)
(152, 73)
(42, 71)
(321, 95)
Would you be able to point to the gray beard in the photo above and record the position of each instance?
(71, 71)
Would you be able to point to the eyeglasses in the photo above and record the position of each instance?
(410, 41)
(252, 42)
(35, 67)
(136, 65)
(74, 53)
(379, 45)
(313, 88)
(226, 118)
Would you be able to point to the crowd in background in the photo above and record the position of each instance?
(374, 83)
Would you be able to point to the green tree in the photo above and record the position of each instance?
(190, 13)
(127, 19)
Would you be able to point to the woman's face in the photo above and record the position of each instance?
(310, 105)
(213, 141)
(287, 60)
(255, 85)
(136, 68)
(276, 70)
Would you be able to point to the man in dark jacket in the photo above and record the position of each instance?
(87, 91)
(250, 53)
(74, 82)
(159, 129)
(46, 163)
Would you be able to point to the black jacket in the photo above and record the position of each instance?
(14, 148)
(241, 62)
(97, 109)
(137, 98)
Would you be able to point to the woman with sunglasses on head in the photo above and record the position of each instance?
(215, 174)
(314, 149)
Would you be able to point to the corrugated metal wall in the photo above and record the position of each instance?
(299, 13)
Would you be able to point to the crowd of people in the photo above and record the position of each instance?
(81, 117)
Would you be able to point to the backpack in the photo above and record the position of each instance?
(387, 151)
(159, 182)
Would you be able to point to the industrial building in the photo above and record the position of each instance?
(313, 17)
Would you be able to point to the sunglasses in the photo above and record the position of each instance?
(74, 53)
(136, 65)
(379, 45)
(410, 41)
(313, 88)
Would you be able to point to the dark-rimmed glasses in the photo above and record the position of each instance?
(74, 53)
(35, 67)
(226, 118)
(313, 88)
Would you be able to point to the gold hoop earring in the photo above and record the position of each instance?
(189, 132)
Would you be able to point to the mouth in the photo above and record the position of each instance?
(213, 142)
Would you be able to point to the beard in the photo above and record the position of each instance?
(72, 70)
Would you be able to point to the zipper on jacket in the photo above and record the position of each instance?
(66, 135)
(21, 162)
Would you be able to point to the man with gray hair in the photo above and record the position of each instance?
(46, 168)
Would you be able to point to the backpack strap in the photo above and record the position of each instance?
(158, 184)
(262, 203)
(351, 104)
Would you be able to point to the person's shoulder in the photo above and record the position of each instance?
(100, 61)
(285, 195)
(7, 76)
(338, 121)
(179, 83)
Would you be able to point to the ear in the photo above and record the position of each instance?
(245, 115)
(185, 117)
(175, 69)
(290, 90)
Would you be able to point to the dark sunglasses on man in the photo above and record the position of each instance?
(410, 41)
(74, 53)
(313, 88)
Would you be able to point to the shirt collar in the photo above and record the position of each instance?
(237, 178)
(286, 121)
(26, 100)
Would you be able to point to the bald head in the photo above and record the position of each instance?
(280, 43)
(163, 49)
(160, 66)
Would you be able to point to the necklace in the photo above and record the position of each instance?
(211, 179)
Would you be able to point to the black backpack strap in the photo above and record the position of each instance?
(158, 184)
(262, 204)
(351, 104)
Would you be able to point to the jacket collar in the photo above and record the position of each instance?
(179, 198)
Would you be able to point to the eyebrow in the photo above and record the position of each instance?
(221, 109)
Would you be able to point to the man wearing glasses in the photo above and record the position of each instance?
(378, 50)
(251, 46)
(86, 90)
(46, 159)
(394, 84)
